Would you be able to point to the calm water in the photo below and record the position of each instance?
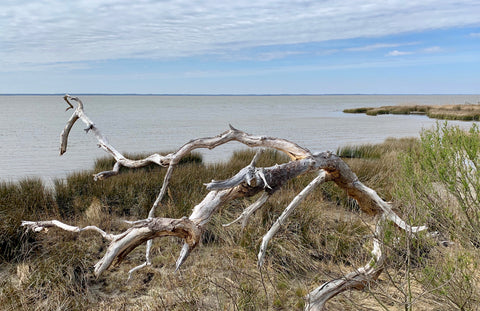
(30, 125)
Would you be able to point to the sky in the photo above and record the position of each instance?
(240, 47)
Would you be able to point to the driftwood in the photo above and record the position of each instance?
(247, 182)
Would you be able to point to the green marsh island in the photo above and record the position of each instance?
(461, 112)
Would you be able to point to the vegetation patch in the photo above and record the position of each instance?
(432, 180)
(463, 112)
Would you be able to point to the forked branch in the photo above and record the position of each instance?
(357, 279)
(247, 182)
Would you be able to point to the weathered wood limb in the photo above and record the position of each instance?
(163, 191)
(387, 210)
(342, 175)
(102, 142)
(147, 261)
(143, 265)
(248, 174)
(143, 230)
(293, 150)
(203, 212)
(65, 132)
(38, 226)
(358, 279)
(124, 243)
(295, 202)
(275, 176)
(247, 212)
(186, 248)
(368, 199)
(269, 178)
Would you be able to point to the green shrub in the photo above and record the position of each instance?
(439, 185)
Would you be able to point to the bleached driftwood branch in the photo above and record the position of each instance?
(295, 202)
(357, 279)
(38, 226)
(246, 183)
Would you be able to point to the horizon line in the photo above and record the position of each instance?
(227, 94)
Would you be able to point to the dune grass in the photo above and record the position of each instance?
(324, 238)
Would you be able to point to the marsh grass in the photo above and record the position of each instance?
(377, 151)
(26, 199)
(324, 238)
(463, 112)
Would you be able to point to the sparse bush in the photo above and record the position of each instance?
(439, 185)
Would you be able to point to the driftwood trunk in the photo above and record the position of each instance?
(247, 182)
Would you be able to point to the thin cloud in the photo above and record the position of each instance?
(278, 55)
(429, 50)
(378, 46)
(383, 63)
(398, 53)
(433, 49)
(475, 34)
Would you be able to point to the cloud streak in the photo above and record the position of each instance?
(57, 31)
(378, 46)
(433, 49)
(398, 53)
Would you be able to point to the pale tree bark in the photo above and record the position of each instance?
(247, 182)
(357, 279)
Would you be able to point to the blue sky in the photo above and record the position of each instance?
(240, 47)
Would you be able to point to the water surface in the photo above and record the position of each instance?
(30, 126)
